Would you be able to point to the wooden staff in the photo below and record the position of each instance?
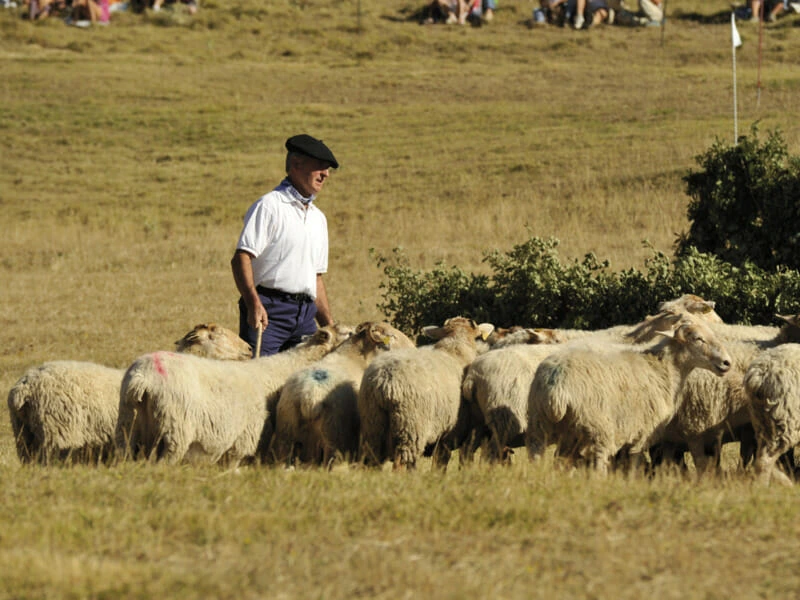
(257, 349)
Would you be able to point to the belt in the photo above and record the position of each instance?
(285, 296)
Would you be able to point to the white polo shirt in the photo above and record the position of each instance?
(289, 243)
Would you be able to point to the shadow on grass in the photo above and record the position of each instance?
(724, 17)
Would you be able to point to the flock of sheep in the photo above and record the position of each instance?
(680, 380)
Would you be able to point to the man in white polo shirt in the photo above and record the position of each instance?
(282, 253)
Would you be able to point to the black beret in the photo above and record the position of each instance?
(305, 144)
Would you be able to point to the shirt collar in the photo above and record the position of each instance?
(286, 185)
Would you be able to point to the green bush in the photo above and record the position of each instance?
(531, 286)
(744, 204)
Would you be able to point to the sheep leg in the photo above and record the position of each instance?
(600, 455)
(375, 439)
(787, 461)
(772, 441)
(504, 427)
(636, 463)
(701, 460)
(602, 462)
(766, 467)
(491, 449)
(466, 451)
(339, 440)
(283, 443)
(404, 456)
(441, 456)
(405, 440)
(172, 449)
(536, 442)
(747, 444)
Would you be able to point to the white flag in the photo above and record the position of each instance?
(737, 41)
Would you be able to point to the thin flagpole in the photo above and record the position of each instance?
(734, 44)
(760, 37)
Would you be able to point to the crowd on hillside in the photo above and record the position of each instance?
(579, 14)
(84, 13)
(583, 14)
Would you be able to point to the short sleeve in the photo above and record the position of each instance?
(255, 233)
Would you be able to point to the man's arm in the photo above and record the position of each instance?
(323, 308)
(242, 266)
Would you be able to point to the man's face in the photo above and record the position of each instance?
(309, 174)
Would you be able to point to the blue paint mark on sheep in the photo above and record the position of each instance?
(555, 375)
(320, 375)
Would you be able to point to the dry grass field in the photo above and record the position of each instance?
(129, 155)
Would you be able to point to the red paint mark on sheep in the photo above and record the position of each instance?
(159, 365)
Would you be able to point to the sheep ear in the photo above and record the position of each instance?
(485, 330)
(365, 326)
(433, 331)
(325, 336)
(707, 306)
(378, 336)
(680, 332)
(670, 333)
(541, 336)
(793, 320)
(699, 306)
(193, 337)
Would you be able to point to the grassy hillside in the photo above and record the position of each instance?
(129, 156)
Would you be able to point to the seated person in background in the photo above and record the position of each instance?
(652, 10)
(448, 11)
(554, 11)
(772, 8)
(41, 9)
(482, 11)
(590, 12)
(191, 5)
(90, 11)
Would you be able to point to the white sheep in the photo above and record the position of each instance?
(595, 401)
(496, 387)
(65, 410)
(497, 383)
(772, 385)
(410, 400)
(714, 410)
(639, 333)
(68, 409)
(186, 407)
(316, 418)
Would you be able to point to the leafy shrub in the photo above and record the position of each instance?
(531, 286)
(744, 203)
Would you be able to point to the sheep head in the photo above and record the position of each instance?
(698, 339)
(380, 335)
(330, 335)
(693, 304)
(214, 341)
(459, 326)
(520, 335)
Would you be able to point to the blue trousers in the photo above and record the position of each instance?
(288, 323)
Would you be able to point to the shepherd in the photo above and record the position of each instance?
(282, 253)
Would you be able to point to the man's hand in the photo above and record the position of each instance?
(257, 314)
